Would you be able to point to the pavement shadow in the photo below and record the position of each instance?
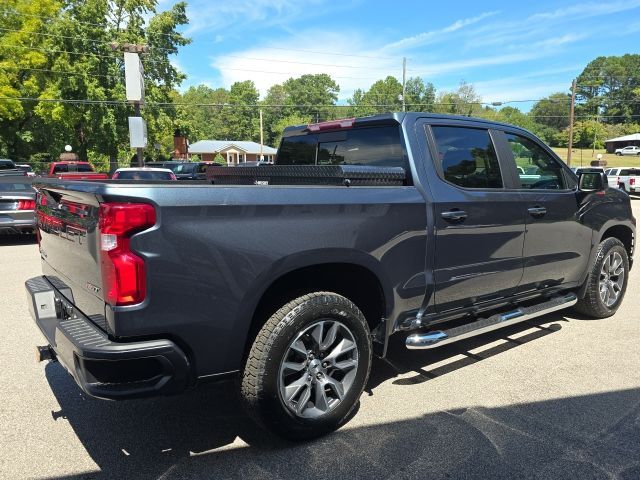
(192, 436)
(13, 240)
(195, 435)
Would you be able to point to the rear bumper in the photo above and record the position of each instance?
(17, 221)
(101, 367)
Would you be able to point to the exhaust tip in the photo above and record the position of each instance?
(45, 353)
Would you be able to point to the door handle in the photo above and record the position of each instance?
(454, 215)
(537, 212)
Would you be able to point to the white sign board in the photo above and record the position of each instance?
(137, 132)
(134, 77)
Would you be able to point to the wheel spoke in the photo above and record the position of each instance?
(303, 400)
(291, 390)
(317, 333)
(330, 337)
(335, 385)
(343, 347)
(321, 400)
(294, 366)
(299, 347)
(612, 292)
(346, 364)
(606, 267)
(617, 261)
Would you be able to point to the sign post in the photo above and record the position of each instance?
(134, 83)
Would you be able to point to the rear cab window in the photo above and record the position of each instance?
(365, 146)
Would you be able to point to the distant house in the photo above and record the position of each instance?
(232, 151)
(621, 142)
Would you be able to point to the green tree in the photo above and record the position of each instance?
(420, 96)
(552, 111)
(203, 117)
(242, 114)
(383, 96)
(274, 110)
(70, 58)
(463, 101)
(610, 86)
(312, 95)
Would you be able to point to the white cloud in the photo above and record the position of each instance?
(359, 59)
(586, 10)
(425, 38)
(240, 16)
(352, 64)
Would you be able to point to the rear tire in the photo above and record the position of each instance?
(607, 282)
(307, 367)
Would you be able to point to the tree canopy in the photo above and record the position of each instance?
(61, 82)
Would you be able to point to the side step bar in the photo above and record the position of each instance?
(437, 338)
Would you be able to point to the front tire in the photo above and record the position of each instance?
(607, 280)
(307, 367)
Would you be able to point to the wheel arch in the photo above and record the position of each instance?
(623, 233)
(353, 274)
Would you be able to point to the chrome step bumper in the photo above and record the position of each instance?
(437, 338)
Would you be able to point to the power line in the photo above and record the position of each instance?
(71, 52)
(74, 37)
(329, 53)
(287, 73)
(47, 50)
(301, 63)
(60, 72)
(232, 105)
(102, 25)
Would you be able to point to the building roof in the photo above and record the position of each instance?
(626, 138)
(215, 146)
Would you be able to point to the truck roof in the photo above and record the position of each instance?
(386, 119)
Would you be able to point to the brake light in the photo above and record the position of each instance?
(331, 125)
(632, 181)
(26, 205)
(123, 272)
(172, 176)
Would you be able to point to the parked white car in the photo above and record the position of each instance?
(629, 180)
(613, 176)
(630, 150)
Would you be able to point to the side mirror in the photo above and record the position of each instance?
(592, 181)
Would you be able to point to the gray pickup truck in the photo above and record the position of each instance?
(292, 284)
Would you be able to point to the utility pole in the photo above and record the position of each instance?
(573, 102)
(404, 83)
(134, 83)
(261, 137)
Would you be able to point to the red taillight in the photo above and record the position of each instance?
(26, 205)
(123, 272)
(331, 125)
(172, 177)
(632, 181)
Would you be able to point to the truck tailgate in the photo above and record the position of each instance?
(69, 245)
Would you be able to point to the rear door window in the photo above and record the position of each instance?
(467, 157)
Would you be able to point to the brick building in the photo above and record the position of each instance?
(232, 151)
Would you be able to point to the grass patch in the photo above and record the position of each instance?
(582, 157)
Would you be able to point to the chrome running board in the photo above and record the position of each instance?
(437, 338)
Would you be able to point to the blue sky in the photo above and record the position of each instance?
(507, 50)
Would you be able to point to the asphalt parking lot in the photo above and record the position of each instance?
(555, 398)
